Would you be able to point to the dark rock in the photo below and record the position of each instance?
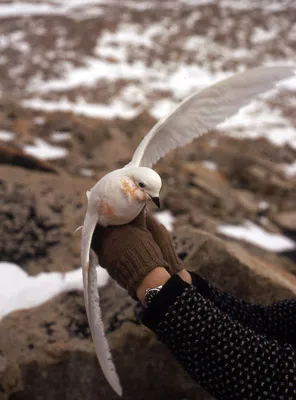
(38, 219)
(10, 155)
(49, 355)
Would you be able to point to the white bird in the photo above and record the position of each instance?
(121, 195)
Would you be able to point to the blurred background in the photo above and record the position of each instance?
(81, 82)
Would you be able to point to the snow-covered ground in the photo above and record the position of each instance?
(254, 234)
(6, 136)
(45, 151)
(18, 290)
(144, 60)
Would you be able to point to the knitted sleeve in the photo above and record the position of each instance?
(277, 321)
(227, 358)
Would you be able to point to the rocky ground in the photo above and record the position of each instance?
(83, 83)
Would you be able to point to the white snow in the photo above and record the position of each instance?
(186, 79)
(261, 35)
(18, 290)
(108, 111)
(6, 136)
(16, 9)
(93, 71)
(264, 205)
(163, 107)
(120, 55)
(289, 84)
(166, 218)
(76, 9)
(44, 151)
(87, 172)
(252, 233)
(126, 34)
(252, 5)
(60, 136)
(210, 165)
(290, 170)
(39, 120)
(259, 120)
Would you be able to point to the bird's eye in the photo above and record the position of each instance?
(141, 184)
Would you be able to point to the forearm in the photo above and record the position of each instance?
(227, 358)
(276, 321)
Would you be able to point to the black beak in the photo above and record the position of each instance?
(156, 201)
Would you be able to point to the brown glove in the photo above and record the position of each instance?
(163, 238)
(128, 252)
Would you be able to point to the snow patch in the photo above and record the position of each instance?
(254, 234)
(162, 108)
(210, 165)
(6, 136)
(261, 35)
(166, 218)
(290, 170)
(259, 120)
(117, 109)
(45, 151)
(263, 205)
(60, 136)
(86, 172)
(76, 9)
(18, 290)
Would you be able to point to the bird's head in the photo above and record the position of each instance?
(147, 180)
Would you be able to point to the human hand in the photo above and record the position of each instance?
(128, 252)
(137, 255)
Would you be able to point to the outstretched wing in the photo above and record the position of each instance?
(92, 304)
(203, 111)
(89, 224)
(97, 328)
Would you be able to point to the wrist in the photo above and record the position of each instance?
(157, 277)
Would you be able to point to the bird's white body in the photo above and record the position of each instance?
(120, 195)
(116, 198)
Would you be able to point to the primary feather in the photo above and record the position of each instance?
(92, 303)
(97, 329)
(88, 228)
(203, 111)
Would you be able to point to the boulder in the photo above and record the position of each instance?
(232, 268)
(11, 155)
(47, 353)
(39, 216)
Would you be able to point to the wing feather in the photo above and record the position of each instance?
(88, 228)
(91, 299)
(203, 111)
(97, 329)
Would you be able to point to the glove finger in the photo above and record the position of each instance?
(154, 226)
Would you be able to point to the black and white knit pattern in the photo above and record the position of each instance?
(277, 321)
(220, 344)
